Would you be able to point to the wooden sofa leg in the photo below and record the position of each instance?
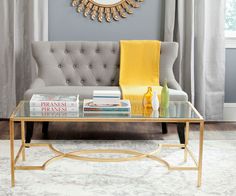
(45, 128)
(164, 128)
(29, 131)
(181, 132)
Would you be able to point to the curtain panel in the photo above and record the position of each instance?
(198, 27)
(23, 21)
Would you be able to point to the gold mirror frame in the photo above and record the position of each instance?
(110, 11)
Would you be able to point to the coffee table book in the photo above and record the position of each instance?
(106, 97)
(54, 109)
(106, 94)
(54, 114)
(90, 107)
(49, 100)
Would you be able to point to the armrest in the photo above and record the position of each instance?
(37, 83)
(169, 53)
(173, 84)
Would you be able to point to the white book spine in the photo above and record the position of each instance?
(54, 114)
(105, 112)
(106, 95)
(54, 109)
(106, 101)
(54, 104)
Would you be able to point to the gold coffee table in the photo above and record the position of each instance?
(178, 112)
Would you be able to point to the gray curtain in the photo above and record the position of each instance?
(198, 27)
(22, 21)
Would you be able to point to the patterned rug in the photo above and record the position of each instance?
(139, 178)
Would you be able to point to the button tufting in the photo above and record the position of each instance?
(67, 51)
(98, 80)
(105, 66)
(82, 50)
(68, 81)
(75, 66)
(97, 50)
(90, 66)
(52, 50)
(112, 81)
(82, 81)
(113, 50)
(60, 66)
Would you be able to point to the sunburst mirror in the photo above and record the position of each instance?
(108, 9)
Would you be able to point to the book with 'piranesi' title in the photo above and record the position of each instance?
(53, 101)
(55, 114)
(54, 109)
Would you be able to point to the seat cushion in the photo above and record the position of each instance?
(178, 95)
(86, 92)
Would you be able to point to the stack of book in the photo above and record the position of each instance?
(108, 102)
(106, 97)
(123, 107)
(42, 104)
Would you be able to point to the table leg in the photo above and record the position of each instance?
(45, 128)
(23, 139)
(164, 128)
(181, 134)
(200, 154)
(12, 152)
(186, 141)
(29, 132)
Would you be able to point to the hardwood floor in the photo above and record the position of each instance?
(120, 131)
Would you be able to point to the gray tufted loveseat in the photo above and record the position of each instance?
(81, 67)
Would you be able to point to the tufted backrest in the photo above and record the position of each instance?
(90, 63)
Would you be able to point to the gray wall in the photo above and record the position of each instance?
(67, 25)
(230, 76)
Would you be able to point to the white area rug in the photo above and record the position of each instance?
(139, 178)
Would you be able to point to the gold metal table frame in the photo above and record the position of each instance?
(134, 155)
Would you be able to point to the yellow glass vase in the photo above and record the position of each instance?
(147, 112)
(147, 99)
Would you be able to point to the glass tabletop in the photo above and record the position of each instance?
(176, 110)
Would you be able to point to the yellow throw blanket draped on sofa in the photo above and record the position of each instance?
(139, 69)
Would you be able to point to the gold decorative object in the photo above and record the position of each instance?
(147, 98)
(108, 9)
